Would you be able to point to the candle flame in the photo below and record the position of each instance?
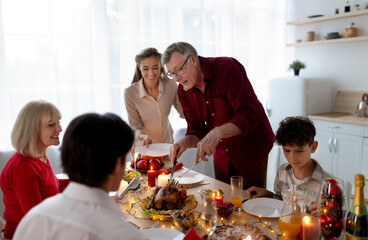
(151, 168)
(218, 194)
(249, 237)
(213, 194)
(306, 219)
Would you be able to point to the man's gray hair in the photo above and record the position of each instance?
(183, 48)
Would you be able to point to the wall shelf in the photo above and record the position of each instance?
(331, 41)
(330, 17)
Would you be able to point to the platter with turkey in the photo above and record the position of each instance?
(165, 200)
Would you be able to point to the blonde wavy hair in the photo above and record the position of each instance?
(25, 132)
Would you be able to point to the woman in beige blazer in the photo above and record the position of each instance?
(149, 99)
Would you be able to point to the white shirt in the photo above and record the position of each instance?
(80, 212)
(146, 115)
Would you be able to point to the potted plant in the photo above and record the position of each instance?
(296, 65)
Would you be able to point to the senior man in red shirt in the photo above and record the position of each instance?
(224, 116)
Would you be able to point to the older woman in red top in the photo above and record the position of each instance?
(27, 177)
(224, 116)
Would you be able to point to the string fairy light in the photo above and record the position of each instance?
(266, 225)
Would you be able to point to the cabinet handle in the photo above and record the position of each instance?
(335, 145)
(334, 126)
(329, 144)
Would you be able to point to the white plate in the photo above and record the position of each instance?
(266, 207)
(190, 178)
(162, 234)
(155, 149)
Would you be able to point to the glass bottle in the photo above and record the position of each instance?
(357, 220)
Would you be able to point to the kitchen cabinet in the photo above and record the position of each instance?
(329, 18)
(365, 164)
(340, 148)
(365, 159)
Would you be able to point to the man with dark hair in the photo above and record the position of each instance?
(296, 136)
(93, 155)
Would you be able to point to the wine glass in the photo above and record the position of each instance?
(133, 154)
(332, 208)
(208, 219)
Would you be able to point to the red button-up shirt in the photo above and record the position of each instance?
(229, 98)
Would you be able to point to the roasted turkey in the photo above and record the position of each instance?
(168, 199)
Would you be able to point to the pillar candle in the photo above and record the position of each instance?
(123, 185)
(310, 228)
(163, 179)
(151, 174)
(218, 198)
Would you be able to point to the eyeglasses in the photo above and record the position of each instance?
(178, 72)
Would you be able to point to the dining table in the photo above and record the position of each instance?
(135, 215)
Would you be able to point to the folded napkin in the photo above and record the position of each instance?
(192, 235)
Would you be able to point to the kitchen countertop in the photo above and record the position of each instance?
(340, 117)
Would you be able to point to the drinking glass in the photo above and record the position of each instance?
(236, 192)
(332, 208)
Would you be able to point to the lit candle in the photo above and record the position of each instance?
(249, 238)
(260, 218)
(218, 198)
(310, 228)
(123, 185)
(163, 179)
(151, 174)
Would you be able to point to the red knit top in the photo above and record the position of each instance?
(25, 182)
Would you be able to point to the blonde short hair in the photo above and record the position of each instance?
(25, 133)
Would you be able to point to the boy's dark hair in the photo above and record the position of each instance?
(91, 145)
(297, 131)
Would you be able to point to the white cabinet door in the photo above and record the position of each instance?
(365, 158)
(348, 156)
(365, 165)
(324, 153)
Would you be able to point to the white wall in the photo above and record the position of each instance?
(346, 64)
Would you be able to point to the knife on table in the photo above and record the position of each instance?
(173, 170)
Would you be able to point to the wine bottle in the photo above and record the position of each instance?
(357, 219)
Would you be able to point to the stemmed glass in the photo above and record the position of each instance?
(208, 220)
(133, 154)
(332, 208)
